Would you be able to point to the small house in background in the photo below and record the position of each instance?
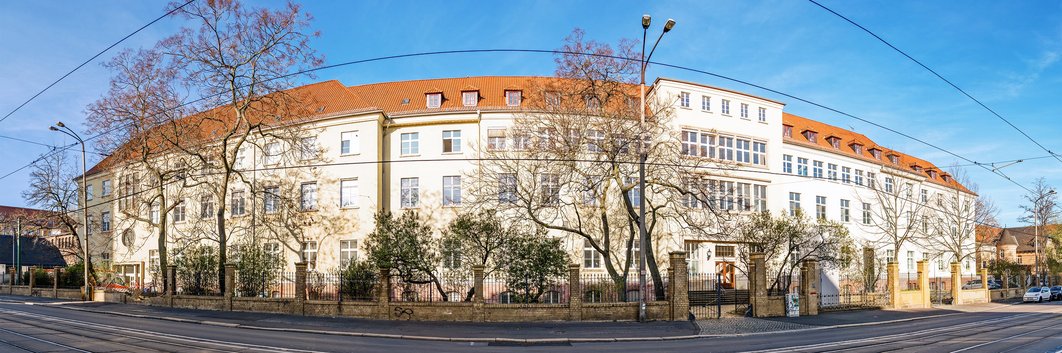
(43, 241)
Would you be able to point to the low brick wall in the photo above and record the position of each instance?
(1006, 294)
(973, 296)
(911, 299)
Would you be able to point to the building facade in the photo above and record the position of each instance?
(414, 145)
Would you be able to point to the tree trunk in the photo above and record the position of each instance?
(221, 245)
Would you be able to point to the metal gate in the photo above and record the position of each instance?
(713, 294)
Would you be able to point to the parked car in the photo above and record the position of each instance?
(1037, 294)
(1056, 292)
(995, 284)
(972, 284)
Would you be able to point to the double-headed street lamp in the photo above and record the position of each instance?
(1036, 237)
(86, 293)
(643, 239)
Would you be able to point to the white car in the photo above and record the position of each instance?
(1037, 294)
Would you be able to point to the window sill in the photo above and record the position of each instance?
(762, 122)
(349, 154)
(350, 207)
(706, 111)
(453, 153)
(409, 155)
(725, 114)
(453, 206)
(687, 108)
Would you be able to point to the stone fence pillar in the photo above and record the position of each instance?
(984, 285)
(923, 283)
(477, 300)
(32, 278)
(809, 287)
(57, 273)
(575, 294)
(300, 289)
(758, 284)
(230, 284)
(383, 295)
(892, 271)
(171, 288)
(680, 300)
(956, 284)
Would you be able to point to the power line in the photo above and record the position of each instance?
(543, 51)
(953, 85)
(91, 59)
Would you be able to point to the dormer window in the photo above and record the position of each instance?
(553, 99)
(932, 174)
(811, 136)
(592, 103)
(834, 141)
(434, 99)
(857, 148)
(787, 131)
(894, 159)
(470, 98)
(513, 98)
(876, 153)
(916, 167)
(947, 178)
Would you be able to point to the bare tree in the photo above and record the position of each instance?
(787, 240)
(569, 164)
(953, 220)
(53, 188)
(899, 217)
(241, 60)
(1040, 210)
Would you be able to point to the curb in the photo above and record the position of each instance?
(529, 341)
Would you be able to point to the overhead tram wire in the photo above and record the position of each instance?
(941, 77)
(108, 48)
(808, 178)
(544, 51)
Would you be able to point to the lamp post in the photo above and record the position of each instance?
(60, 127)
(1036, 236)
(643, 240)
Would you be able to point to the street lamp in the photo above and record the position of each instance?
(643, 239)
(1036, 236)
(86, 294)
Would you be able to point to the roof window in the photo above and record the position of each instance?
(513, 98)
(434, 99)
(834, 141)
(787, 131)
(811, 136)
(876, 153)
(857, 148)
(894, 159)
(470, 98)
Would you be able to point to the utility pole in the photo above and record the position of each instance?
(86, 294)
(18, 249)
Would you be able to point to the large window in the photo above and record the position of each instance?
(846, 175)
(206, 206)
(271, 199)
(871, 179)
(513, 98)
(238, 205)
(802, 166)
(831, 171)
(348, 193)
(106, 188)
(180, 212)
(759, 197)
(550, 189)
(910, 261)
(348, 251)
(846, 210)
(726, 147)
(309, 253)
(496, 139)
(744, 150)
(866, 213)
(726, 107)
(434, 100)
(88, 192)
(763, 115)
(507, 188)
(272, 153)
(595, 141)
(410, 143)
(451, 140)
(787, 164)
(695, 143)
(105, 221)
(451, 191)
(349, 143)
(591, 258)
(820, 207)
(410, 192)
(706, 103)
(308, 196)
(794, 203)
(744, 110)
(684, 99)
(859, 177)
(470, 98)
(888, 184)
(816, 169)
(759, 153)
(308, 148)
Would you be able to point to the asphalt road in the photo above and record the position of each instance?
(49, 328)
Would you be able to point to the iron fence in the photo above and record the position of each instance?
(711, 294)
(909, 281)
(448, 287)
(501, 289)
(603, 288)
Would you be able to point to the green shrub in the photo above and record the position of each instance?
(197, 270)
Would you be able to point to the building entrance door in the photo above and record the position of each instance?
(725, 269)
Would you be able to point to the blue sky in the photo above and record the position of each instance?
(1005, 53)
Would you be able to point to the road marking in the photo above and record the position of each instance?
(126, 330)
(44, 341)
(1003, 339)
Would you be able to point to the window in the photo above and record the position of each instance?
(153, 260)
(816, 169)
(743, 148)
(592, 103)
(410, 196)
(925, 195)
(521, 142)
(831, 171)
(349, 143)
(348, 252)
(846, 175)
(106, 188)
(410, 143)
(888, 184)
(857, 148)
(744, 194)
(238, 204)
(890, 256)
(724, 250)
(635, 194)
(309, 253)
(940, 264)
(759, 197)
(470, 98)
(820, 207)
(759, 153)
(105, 221)
(550, 189)
(451, 254)
(697, 144)
(90, 220)
(706, 103)
(846, 213)
(513, 98)
(308, 148)
(241, 158)
(812, 136)
(894, 159)
(834, 141)
(763, 115)
(794, 203)
(206, 206)
(553, 99)
(910, 261)
(451, 141)
(272, 249)
(859, 177)
(272, 153)
(802, 166)
(866, 213)
(787, 164)
(591, 258)
(787, 131)
(496, 139)
(684, 99)
(451, 191)
(434, 100)
(154, 213)
(348, 193)
(871, 179)
(271, 199)
(308, 196)
(88, 192)
(726, 107)
(744, 110)
(726, 147)
(595, 140)
(507, 188)
(179, 212)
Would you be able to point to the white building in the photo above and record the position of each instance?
(407, 145)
